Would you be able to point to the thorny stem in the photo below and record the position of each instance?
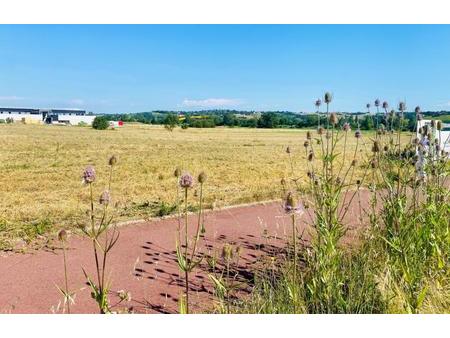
(186, 271)
(65, 278)
(294, 238)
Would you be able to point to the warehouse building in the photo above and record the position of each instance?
(47, 116)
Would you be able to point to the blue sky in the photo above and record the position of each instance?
(117, 68)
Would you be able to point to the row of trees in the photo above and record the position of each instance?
(211, 119)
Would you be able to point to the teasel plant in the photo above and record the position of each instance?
(224, 275)
(68, 296)
(414, 211)
(332, 190)
(104, 235)
(187, 254)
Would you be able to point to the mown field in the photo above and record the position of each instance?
(41, 167)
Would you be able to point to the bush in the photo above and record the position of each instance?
(100, 123)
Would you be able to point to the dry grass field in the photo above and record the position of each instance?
(41, 167)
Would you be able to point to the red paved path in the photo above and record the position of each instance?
(143, 262)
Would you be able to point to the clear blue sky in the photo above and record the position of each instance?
(140, 68)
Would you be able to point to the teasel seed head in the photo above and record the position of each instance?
(334, 118)
(291, 204)
(320, 130)
(310, 156)
(238, 251)
(346, 127)
(439, 125)
(402, 106)
(112, 160)
(433, 123)
(438, 147)
(62, 235)
(358, 133)
(318, 103)
(368, 106)
(385, 105)
(416, 141)
(186, 181)
(202, 177)
(373, 163)
(358, 182)
(392, 113)
(89, 175)
(354, 162)
(283, 182)
(306, 144)
(227, 252)
(377, 103)
(308, 135)
(105, 198)
(177, 172)
(376, 147)
(386, 147)
(328, 97)
(417, 110)
(288, 150)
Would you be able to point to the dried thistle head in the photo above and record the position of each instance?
(358, 133)
(288, 150)
(202, 177)
(334, 119)
(283, 182)
(186, 181)
(368, 106)
(308, 135)
(385, 105)
(89, 175)
(320, 130)
(291, 204)
(377, 103)
(318, 103)
(346, 127)
(439, 125)
(354, 162)
(227, 252)
(373, 163)
(310, 156)
(177, 172)
(328, 97)
(62, 235)
(402, 106)
(112, 160)
(105, 198)
(433, 123)
(306, 144)
(417, 110)
(376, 146)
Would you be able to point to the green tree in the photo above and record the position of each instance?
(100, 123)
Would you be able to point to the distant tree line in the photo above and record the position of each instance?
(269, 119)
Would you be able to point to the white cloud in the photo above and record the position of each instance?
(211, 103)
(11, 98)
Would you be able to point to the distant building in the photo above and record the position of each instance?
(47, 116)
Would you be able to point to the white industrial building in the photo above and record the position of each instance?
(47, 116)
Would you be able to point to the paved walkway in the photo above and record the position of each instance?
(143, 262)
